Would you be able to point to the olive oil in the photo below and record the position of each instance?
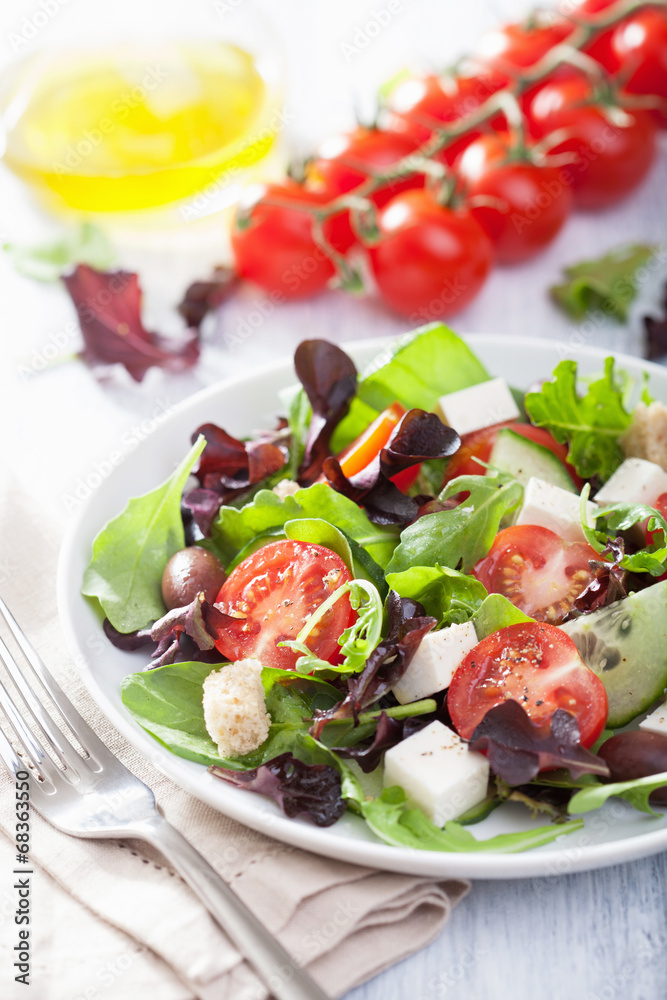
(137, 127)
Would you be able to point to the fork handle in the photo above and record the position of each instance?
(284, 979)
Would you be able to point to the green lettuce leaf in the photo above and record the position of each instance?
(446, 595)
(235, 528)
(459, 537)
(167, 702)
(131, 551)
(416, 370)
(590, 424)
(494, 613)
(607, 283)
(611, 519)
(394, 822)
(635, 792)
(47, 261)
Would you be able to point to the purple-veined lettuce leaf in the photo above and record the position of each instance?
(202, 297)
(517, 749)
(420, 436)
(108, 304)
(329, 379)
(312, 791)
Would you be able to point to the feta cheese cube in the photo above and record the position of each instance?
(635, 481)
(554, 508)
(435, 662)
(656, 722)
(478, 406)
(437, 772)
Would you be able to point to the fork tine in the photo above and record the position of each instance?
(31, 747)
(13, 763)
(79, 727)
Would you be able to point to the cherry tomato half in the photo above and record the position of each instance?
(430, 260)
(273, 243)
(273, 592)
(532, 202)
(537, 570)
(479, 444)
(613, 149)
(537, 665)
(344, 162)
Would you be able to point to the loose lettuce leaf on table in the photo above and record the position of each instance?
(461, 536)
(590, 424)
(607, 283)
(47, 261)
(131, 551)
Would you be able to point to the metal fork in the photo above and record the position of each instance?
(96, 796)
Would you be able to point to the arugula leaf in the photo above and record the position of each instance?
(131, 551)
(607, 283)
(636, 792)
(461, 536)
(236, 527)
(591, 424)
(394, 822)
(494, 613)
(47, 261)
(621, 517)
(357, 641)
(168, 703)
(445, 594)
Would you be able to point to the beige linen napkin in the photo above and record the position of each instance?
(111, 919)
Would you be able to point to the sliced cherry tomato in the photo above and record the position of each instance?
(273, 244)
(367, 446)
(344, 162)
(514, 47)
(531, 202)
(273, 592)
(419, 106)
(479, 444)
(614, 149)
(537, 570)
(430, 260)
(537, 665)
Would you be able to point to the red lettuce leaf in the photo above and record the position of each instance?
(517, 749)
(368, 754)
(108, 304)
(609, 584)
(419, 436)
(329, 379)
(202, 297)
(312, 791)
(656, 332)
(407, 626)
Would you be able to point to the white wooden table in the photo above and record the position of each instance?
(594, 936)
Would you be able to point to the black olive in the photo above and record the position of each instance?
(187, 573)
(637, 754)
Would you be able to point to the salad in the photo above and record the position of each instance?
(421, 594)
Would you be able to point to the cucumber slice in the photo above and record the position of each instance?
(625, 644)
(524, 458)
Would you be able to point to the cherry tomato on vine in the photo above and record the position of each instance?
(515, 47)
(531, 202)
(479, 444)
(537, 570)
(639, 46)
(430, 261)
(344, 162)
(273, 592)
(273, 243)
(593, 11)
(537, 665)
(613, 148)
(420, 106)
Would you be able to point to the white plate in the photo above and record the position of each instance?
(616, 833)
